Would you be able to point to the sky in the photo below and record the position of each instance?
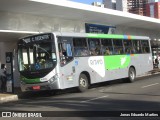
(86, 1)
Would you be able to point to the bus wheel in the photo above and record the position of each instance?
(131, 74)
(83, 83)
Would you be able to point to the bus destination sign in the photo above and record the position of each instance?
(37, 38)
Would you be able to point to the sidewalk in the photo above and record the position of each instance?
(6, 97)
(153, 72)
(9, 97)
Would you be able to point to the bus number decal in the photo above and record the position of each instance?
(97, 64)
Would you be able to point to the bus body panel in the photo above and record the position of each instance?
(81, 64)
(100, 68)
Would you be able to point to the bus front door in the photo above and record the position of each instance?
(66, 61)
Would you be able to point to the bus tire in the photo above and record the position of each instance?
(131, 74)
(83, 83)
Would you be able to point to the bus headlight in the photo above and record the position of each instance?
(43, 79)
(53, 79)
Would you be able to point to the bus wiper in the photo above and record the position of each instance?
(41, 49)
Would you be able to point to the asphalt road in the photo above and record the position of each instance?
(142, 95)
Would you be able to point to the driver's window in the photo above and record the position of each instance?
(65, 51)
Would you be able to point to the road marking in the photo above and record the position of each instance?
(105, 90)
(150, 85)
(94, 99)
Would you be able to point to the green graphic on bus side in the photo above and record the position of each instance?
(116, 62)
(90, 35)
(29, 81)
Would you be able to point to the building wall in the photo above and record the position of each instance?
(137, 6)
(153, 10)
(151, 1)
(98, 4)
(156, 10)
(108, 4)
(122, 5)
(150, 10)
(132, 6)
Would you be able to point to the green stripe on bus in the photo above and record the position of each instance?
(29, 81)
(90, 35)
(117, 62)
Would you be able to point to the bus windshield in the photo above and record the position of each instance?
(36, 56)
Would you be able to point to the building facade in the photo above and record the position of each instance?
(122, 5)
(131, 6)
(111, 4)
(152, 1)
(137, 7)
(153, 10)
(98, 4)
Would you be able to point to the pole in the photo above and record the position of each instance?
(9, 60)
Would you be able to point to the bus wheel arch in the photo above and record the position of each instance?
(84, 81)
(131, 74)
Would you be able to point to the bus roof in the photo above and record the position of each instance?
(95, 35)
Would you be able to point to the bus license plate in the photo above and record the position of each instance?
(36, 87)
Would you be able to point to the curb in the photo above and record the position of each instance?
(149, 74)
(8, 98)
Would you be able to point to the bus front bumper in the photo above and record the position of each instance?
(39, 86)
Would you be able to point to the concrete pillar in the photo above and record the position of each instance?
(2, 53)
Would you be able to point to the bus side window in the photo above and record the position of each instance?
(107, 48)
(80, 47)
(62, 54)
(65, 51)
(128, 46)
(136, 46)
(94, 47)
(118, 46)
(145, 46)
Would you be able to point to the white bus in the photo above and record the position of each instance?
(51, 61)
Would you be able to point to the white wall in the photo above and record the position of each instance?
(26, 22)
(137, 31)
